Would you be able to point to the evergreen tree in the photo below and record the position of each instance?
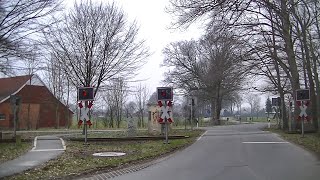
(268, 106)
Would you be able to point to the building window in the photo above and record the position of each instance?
(2, 117)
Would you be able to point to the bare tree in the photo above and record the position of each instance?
(153, 98)
(250, 99)
(131, 108)
(109, 114)
(115, 99)
(212, 66)
(95, 42)
(256, 105)
(141, 96)
(59, 84)
(19, 20)
(289, 29)
(31, 64)
(254, 102)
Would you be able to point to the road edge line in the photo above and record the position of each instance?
(202, 135)
(63, 144)
(34, 143)
(47, 150)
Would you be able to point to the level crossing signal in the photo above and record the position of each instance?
(85, 94)
(302, 94)
(165, 93)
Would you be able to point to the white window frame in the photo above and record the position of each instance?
(2, 115)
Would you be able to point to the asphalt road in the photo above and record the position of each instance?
(238, 152)
(45, 148)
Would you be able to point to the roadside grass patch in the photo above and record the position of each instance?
(9, 151)
(78, 160)
(310, 141)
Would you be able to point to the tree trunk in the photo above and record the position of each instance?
(142, 119)
(218, 104)
(283, 112)
(213, 112)
(289, 49)
(311, 85)
(111, 118)
(284, 120)
(218, 110)
(316, 79)
(68, 112)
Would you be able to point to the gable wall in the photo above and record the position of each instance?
(42, 105)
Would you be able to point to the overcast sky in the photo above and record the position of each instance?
(154, 25)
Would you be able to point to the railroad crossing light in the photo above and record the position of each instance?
(85, 94)
(303, 94)
(165, 93)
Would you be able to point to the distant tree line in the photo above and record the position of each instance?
(279, 40)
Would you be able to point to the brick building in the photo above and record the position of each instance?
(39, 108)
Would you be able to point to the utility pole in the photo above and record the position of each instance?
(191, 114)
(290, 116)
(15, 103)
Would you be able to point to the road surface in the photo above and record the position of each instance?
(45, 148)
(238, 152)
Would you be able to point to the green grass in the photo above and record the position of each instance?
(99, 123)
(9, 151)
(78, 158)
(107, 134)
(310, 141)
(261, 119)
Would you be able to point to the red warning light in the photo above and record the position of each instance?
(84, 93)
(163, 93)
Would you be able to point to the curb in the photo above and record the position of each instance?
(138, 138)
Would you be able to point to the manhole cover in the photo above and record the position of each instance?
(109, 154)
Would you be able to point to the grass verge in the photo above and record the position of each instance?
(78, 160)
(310, 141)
(9, 151)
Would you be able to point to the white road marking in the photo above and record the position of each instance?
(201, 136)
(63, 144)
(34, 143)
(268, 142)
(45, 150)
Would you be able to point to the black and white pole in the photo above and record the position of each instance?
(85, 125)
(166, 124)
(302, 121)
(290, 121)
(191, 115)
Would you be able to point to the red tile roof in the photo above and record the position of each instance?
(10, 85)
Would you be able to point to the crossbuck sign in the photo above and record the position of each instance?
(303, 112)
(303, 105)
(165, 112)
(85, 114)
